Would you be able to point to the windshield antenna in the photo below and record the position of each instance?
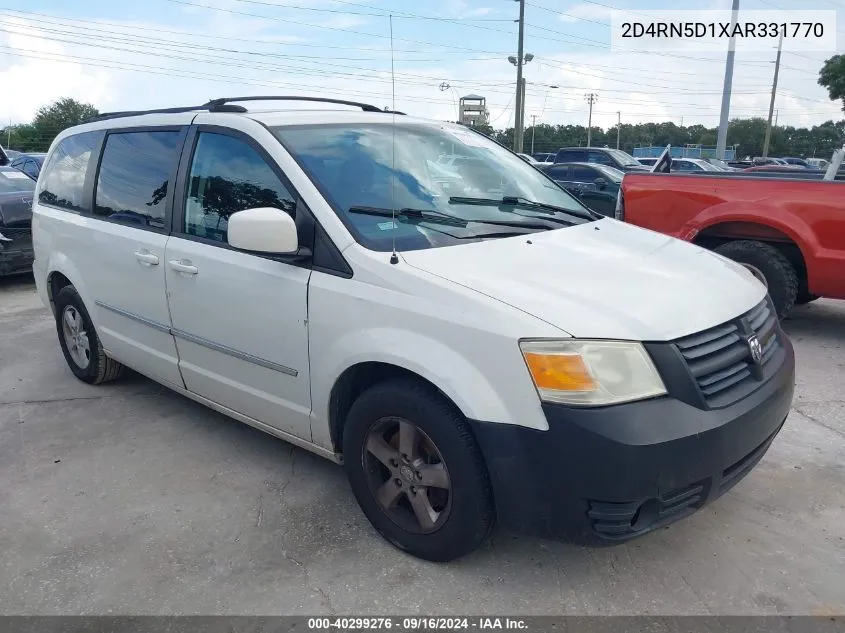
(394, 258)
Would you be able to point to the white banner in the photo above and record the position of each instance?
(711, 31)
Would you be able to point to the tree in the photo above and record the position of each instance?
(61, 114)
(832, 77)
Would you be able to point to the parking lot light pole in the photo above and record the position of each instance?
(722, 139)
(618, 126)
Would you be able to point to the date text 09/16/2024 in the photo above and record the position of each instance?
(416, 623)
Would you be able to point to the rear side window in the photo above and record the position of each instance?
(63, 182)
(135, 175)
(583, 174)
(558, 173)
(570, 156)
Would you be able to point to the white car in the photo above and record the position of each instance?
(507, 358)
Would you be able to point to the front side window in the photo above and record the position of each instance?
(132, 186)
(368, 169)
(227, 176)
(63, 183)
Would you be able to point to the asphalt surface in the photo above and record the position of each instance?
(130, 499)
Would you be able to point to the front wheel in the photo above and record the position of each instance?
(770, 266)
(416, 471)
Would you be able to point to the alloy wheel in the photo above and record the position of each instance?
(407, 475)
(76, 338)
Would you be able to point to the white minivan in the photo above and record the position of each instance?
(475, 352)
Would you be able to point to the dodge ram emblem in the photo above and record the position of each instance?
(756, 349)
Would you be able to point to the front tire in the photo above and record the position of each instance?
(417, 471)
(778, 273)
(79, 341)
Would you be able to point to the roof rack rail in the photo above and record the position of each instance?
(225, 104)
(127, 113)
(214, 104)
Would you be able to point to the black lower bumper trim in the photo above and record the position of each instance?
(599, 476)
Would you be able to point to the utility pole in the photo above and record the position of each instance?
(777, 112)
(517, 132)
(591, 98)
(618, 126)
(533, 129)
(772, 102)
(726, 89)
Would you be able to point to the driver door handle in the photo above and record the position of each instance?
(183, 266)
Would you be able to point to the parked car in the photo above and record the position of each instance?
(30, 164)
(505, 357)
(544, 157)
(759, 160)
(596, 186)
(790, 232)
(791, 160)
(683, 164)
(818, 163)
(720, 164)
(15, 218)
(599, 155)
(4, 157)
(528, 159)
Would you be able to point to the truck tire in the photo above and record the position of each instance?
(417, 471)
(79, 341)
(778, 272)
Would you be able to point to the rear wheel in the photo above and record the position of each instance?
(770, 266)
(416, 470)
(79, 341)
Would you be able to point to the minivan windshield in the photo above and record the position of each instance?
(448, 184)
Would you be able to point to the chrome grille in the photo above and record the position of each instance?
(720, 360)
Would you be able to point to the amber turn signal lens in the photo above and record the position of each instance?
(559, 372)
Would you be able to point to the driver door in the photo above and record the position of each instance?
(239, 319)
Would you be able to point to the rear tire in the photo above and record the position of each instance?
(390, 477)
(779, 273)
(79, 341)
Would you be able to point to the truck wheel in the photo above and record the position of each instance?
(417, 471)
(79, 341)
(778, 273)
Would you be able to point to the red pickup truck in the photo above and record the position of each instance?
(789, 232)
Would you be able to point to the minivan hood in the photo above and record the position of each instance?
(602, 279)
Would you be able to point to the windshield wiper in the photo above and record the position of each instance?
(431, 215)
(523, 203)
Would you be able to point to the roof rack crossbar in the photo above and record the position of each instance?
(366, 107)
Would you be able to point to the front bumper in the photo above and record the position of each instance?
(605, 475)
(16, 255)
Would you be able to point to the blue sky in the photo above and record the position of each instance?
(175, 52)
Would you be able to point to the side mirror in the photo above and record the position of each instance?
(600, 183)
(263, 230)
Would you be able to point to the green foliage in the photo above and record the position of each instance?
(832, 77)
(49, 121)
(746, 134)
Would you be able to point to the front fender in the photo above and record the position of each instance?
(489, 386)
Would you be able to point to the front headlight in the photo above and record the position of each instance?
(591, 373)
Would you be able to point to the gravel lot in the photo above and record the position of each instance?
(128, 498)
